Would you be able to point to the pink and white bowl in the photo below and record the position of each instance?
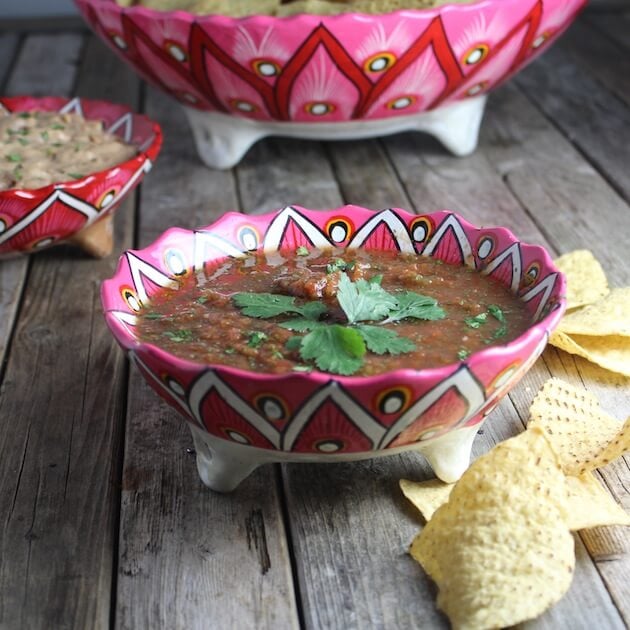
(78, 211)
(241, 419)
(331, 77)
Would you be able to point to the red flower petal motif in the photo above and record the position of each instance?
(331, 430)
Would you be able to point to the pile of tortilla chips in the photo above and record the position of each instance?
(597, 323)
(498, 543)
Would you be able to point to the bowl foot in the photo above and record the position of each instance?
(221, 465)
(222, 140)
(449, 455)
(97, 239)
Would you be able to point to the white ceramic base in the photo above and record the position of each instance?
(222, 465)
(222, 140)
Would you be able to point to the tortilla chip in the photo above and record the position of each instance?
(611, 352)
(610, 316)
(500, 550)
(581, 434)
(590, 504)
(586, 281)
(427, 496)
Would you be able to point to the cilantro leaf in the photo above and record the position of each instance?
(417, 306)
(179, 336)
(384, 340)
(265, 305)
(312, 310)
(463, 354)
(295, 343)
(339, 264)
(364, 301)
(337, 349)
(499, 315)
(255, 338)
(477, 320)
(496, 312)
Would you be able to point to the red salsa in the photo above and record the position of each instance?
(356, 312)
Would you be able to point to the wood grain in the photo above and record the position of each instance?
(61, 428)
(190, 557)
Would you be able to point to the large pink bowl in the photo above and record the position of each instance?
(31, 219)
(240, 419)
(384, 70)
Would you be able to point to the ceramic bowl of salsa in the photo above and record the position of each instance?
(306, 335)
(43, 204)
(352, 75)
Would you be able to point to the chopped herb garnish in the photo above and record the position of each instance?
(477, 320)
(202, 299)
(265, 305)
(384, 340)
(364, 301)
(336, 347)
(256, 338)
(462, 354)
(229, 351)
(13, 157)
(498, 314)
(302, 251)
(154, 316)
(58, 126)
(44, 135)
(338, 264)
(24, 115)
(76, 175)
(416, 306)
(23, 141)
(179, 336)
(276, 354)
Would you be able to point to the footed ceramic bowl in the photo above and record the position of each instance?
(331, 77)
(240, 419)
(77, 211)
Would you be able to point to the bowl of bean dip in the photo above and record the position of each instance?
(65, 166)
(328, 69)
(306, 335)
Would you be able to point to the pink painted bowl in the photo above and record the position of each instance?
(312, 68)
(240, 419)
(80, 210)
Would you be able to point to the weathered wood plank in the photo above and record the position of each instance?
(586, 112)
(604, 58)
(61, 406)
(190, 557)
(12, 272)
(614, 26)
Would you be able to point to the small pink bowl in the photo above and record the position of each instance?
(240, 419)
(80, 210)
(344, 76)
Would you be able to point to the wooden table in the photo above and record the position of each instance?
(105, 522)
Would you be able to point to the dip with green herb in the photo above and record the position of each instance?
(41, 148)
(351, 312)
